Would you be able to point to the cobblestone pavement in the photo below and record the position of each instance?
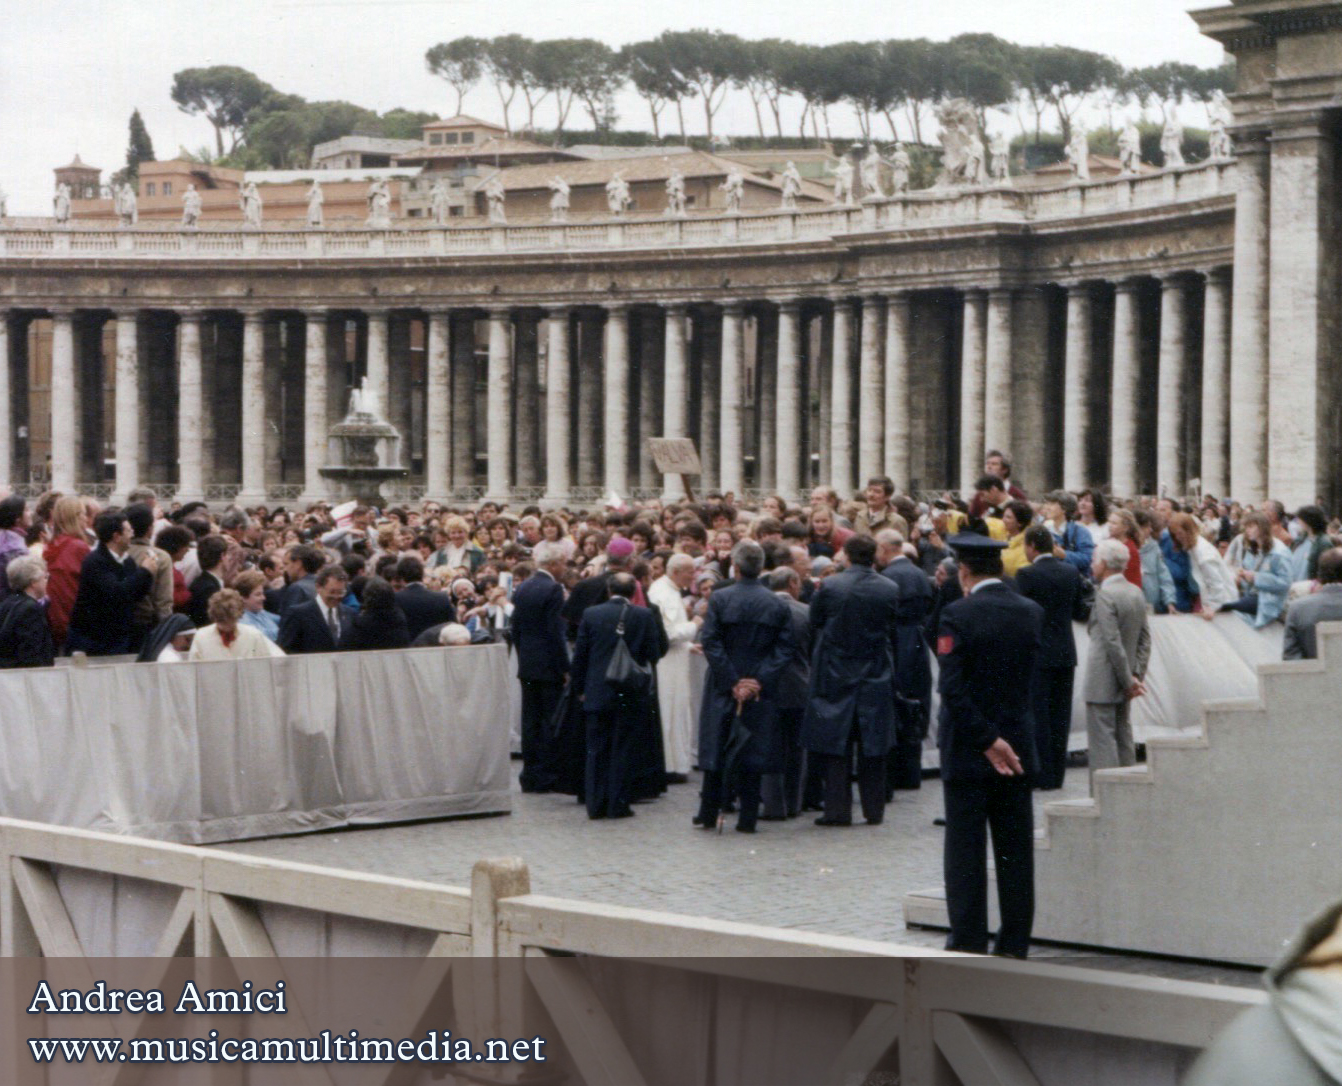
(790, 874)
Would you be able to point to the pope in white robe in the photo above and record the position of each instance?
(674, 697)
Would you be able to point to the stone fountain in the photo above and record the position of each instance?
(363, 450)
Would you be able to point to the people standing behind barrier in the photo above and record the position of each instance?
(110, 584)
(539, 636)
(25, 636)
(423, 606)
(674, 698)
(227, 637)
(1263, 577)
(64, 557)
(781, 793)
(251, 587)
(379, 623)
(913, 668)
(13, 536)
(157, 603)
(318, 625)
(1323, 605)
(1016, 517)
(1122, 525)
(879, 512)
(1210, 581)
(1120, 648)
(175, 541)
(1157, 584)
(210, 553)
(1309, 532)
(1072, 541)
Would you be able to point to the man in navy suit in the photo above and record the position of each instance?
(612, 716)
(539, 638)
(301, 567)
(913, 666)
(423, 606)
(319, 624)
(111, 582)
(1058, 588)
(987, 645)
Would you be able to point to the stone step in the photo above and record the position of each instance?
(1130, 774)
(1072, 808)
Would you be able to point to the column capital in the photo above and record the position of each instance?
(842, 302)
(126, 314)
(1076, 286)
(1217, 273)
(190, 312)
(975, 292)
(792, 304)
(676, 307)
(60, 311)
(621, 307)
(1177, 280)
(1128, 286)
(500, 312)
(899, 297)
(735, 308)
(1000, 292)
(555, 312)
(316, 313)
(251, 315)
(876, 300)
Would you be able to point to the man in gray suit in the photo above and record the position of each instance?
(1120, 647)
(1325, 605)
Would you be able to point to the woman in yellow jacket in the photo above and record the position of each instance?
(1017, 516)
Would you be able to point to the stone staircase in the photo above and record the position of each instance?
(1219, 846)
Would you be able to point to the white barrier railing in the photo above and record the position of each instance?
(41, 238)
(73, 893)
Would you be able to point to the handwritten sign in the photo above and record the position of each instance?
(674, 455)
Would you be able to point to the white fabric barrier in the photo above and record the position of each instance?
(220, 751)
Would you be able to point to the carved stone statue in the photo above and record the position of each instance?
(126, 205)
(999, 150)
(617, 194)
(1130, 150)
(559, 201)
(250, 201)
(675, 195)
(872, 189)
(316, 200)
(60, 203)
(4, 203)
(900, 165)
(494, 196)
(379, 205)
(1078, 154)
(843, 180)
(191, 206)
(1218, 139)
(791, 186)
(962, 161)
(361, 399)
(439, 200)
(1172, 141)
(733, 189)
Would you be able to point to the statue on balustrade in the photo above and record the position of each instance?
(618, 198)
(1130, 150)
(191, 206)
(1172, 141)
(559, 201)
(1078, 153)
(126, 205)
(250, 202)
(4, 202)
(316, 202)
(843, 180)
(999, 149)
(379, 205)
(791, 186)
(494, 197)
(733, 189)
(60, 203)
(900, 166)
(871, 174)
(439, 201)
(1218, 117)
(675, 195)
(962, 159)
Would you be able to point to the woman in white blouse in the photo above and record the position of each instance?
(227, 638)
(1212, 579)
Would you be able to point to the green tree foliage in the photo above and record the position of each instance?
(647, 65)
(140, 148)
(1061, 78)
(224, 95)
(508, 61)
(461, 62)
(708, 60)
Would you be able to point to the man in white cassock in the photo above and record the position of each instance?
(679, 722)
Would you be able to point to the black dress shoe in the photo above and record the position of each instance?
(705, 822)
(677, 778)
(626, 813)
(744, 829)
(773, 818)
(822, 821)
(938, 822)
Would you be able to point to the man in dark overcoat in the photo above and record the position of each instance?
(913, 662)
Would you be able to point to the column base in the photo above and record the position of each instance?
(498, 499)
(305, 499)
(556, 500)
(245, 500)
(185, 497)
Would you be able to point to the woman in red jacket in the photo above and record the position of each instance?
(1123, 526)
(64, 557)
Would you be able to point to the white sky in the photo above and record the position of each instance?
(70, 73)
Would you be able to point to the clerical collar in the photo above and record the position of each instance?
(985, 584)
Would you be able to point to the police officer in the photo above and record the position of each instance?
(986, 646)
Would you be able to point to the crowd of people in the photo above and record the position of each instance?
(816, 625)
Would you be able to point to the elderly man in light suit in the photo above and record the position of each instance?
(1301, 639)
(1120, 647)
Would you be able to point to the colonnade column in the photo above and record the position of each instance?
(253, 409)
(499, 410)
(788, 398)
(897, 389)
(1215, 383)
(127, 440)
(997, 383)
(315, 422)
(64, 402)
(731, 447)
(1170, 387)
(379, 372)
(1249, 323)
(972, 349)
(6, 406)
(190, 410)
(710, 398)
(870, 392)
(616, 429)
(1076, 387)
(841, 398)
(438, 407)
(675, 390)
(557, 392)
(1124, 390)
(526, 350)
(463, 399)
(766, 380)
(591, 380)
(651, 343)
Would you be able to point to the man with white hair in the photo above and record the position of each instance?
(542, 661)
(1120, 647)
(666, 596)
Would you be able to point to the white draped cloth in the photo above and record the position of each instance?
(679, 723)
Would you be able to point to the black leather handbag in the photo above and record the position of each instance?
(624, 674)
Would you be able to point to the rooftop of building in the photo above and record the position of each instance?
(463, 120)
(327, 177)
(494, 147)
(366, 144)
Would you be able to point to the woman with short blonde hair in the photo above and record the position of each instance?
(228, 637)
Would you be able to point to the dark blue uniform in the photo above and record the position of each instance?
(913, 673)
(986, 646)
(746, 635)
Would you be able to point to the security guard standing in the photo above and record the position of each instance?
(986, 648)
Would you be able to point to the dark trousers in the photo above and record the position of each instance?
(1248, 604)
(781, 792)
(839, 788)
(746, 785)
(1051, 701)
(609, 748)
(539, 700)
(904, 763)
(1002, 803)
(112, 645)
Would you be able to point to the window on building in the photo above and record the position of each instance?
(468, 137)
(449, 137)
(149, 188)
(167, 188)
(435, 138)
